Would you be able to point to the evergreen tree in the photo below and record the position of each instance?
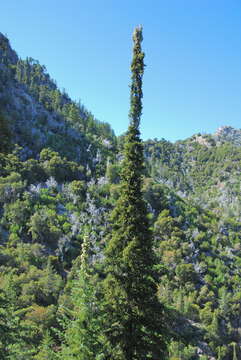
(14, 336)
(82, 336)
(133, 315)
(46, 351)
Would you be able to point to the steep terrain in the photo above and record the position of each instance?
(40, 115)
(204, 168)
(59, 179)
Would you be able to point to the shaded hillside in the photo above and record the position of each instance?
(39, 115)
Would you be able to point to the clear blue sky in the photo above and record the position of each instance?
(192, 81)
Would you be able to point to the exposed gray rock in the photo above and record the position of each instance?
(228, 133)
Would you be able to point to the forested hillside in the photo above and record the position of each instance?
(60, 171)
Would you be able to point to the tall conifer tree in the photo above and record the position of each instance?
(133, 313)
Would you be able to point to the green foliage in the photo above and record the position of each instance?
(178, 351)
(58, 168)
(67, 171)
(73, 129)
(14, 334)
(198, 169)
(113, 173)
(133, 321)
(46, 351)
(82, 336)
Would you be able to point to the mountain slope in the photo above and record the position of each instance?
(60, 183)
(40, 115)
(204, 168)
